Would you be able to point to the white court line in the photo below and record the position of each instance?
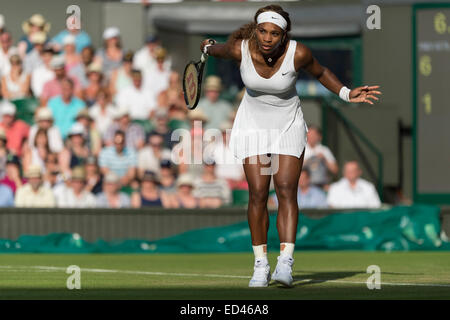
(51, 268)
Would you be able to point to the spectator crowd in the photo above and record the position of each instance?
(106, 132)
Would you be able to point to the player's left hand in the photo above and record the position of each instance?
(364, 94)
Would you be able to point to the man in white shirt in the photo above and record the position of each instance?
(156, 78)
(151, 155)
(319, 159)
(33, 59)
(34, 194)
(75, 196)
(144, 59)
(6, 51)
(43, 73)
(352, 191)
(139, 101)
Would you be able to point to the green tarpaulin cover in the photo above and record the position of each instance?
(399, 228)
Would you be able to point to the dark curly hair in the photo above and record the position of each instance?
(247, 31)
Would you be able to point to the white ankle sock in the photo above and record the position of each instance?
(260, 251)
(287, 248)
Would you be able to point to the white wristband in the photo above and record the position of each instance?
(205, 48)
(344, 93)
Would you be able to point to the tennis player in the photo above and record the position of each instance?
(269, 131)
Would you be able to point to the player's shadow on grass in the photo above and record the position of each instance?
(320, 277)
(309, 277)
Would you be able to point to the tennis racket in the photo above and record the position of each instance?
(192, 80)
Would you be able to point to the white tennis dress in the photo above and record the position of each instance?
(269, 118)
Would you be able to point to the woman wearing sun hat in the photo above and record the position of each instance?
(35, 23)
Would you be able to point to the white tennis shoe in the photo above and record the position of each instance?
(283, 270)
(261, 274)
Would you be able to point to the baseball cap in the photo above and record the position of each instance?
(77, 129)
(152, 39)
(69, 39)
(150, 176)
(111, 32)
(165, 163)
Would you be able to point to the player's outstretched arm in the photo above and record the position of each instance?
(304, 59)
(228, 50)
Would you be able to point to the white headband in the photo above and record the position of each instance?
(272, 17)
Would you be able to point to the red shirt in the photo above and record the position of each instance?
(15, 135)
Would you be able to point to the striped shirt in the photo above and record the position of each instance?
(117, 163)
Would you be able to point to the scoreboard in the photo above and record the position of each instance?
(431, 103)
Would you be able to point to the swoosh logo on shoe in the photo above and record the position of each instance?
(283, 74)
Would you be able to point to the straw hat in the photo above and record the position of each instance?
(44, 114)
(185, 179)
(34, 171)
(197, 114)
(111, 177)
(78, 173)
(213, 83)
(37, 20)
(94, 67)
(83, 113)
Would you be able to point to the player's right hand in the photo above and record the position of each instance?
(205, 42)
